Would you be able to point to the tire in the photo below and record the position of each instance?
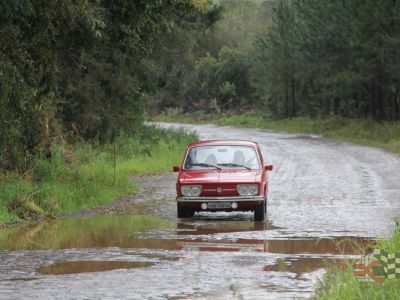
(260, 211)
(183, 212)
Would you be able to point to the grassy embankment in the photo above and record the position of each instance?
(362, 131)
(82, 175)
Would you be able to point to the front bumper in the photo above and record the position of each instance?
(220, 199)
(242, 203)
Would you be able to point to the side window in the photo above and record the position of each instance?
(189, 159)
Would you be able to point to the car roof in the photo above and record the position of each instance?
(223, 142)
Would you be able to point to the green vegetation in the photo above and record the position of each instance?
(77, 77)
(289, 58)
(74, 78)
(384, 134)
(81, 175)
(80, 69)
(209, 68)
(87, 72)
(342, 284)
(331, 57)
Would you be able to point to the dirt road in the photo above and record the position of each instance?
(323, 193)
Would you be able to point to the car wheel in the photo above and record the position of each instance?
(183, 212)
(259, 211)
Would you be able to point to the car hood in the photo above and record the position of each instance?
(215, 176)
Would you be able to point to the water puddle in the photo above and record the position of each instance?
(195, 256)
(303, 265)
(88, 232)
(74, 267)
(144, 232)
(334, 246)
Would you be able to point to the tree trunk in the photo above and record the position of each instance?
(380, 100)
(372, 107)
(46, 136)
(396, 114)
(336, 106)
(293, 98)
(287, 99)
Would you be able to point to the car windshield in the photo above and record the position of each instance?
(221, 157)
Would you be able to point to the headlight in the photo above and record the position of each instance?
(247, 189)
(191, 190)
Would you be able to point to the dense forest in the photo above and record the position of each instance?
(91, 70)
(299, 58)
(332, 57)
(77, 69)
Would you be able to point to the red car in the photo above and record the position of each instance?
(222, 175)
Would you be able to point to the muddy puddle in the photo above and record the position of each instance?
(156, 233)
(194, 258)
(304, 265)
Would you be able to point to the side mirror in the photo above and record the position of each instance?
(268, 168)
(176, 169)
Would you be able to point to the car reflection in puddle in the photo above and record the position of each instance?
(335, 246)
(213, 227)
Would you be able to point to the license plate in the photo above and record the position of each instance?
(212, 205)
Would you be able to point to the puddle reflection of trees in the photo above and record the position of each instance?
(73, 267)
(303, 264)
(98, 231)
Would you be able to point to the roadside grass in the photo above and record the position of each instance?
(340, 283)
(369, 132)
(81, 175)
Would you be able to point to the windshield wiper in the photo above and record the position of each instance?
(205, 165)
(234, 165)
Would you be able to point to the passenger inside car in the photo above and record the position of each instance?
(238, 158)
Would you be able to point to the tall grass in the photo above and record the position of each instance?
(339, 284)
(342, 284)
(82, 175)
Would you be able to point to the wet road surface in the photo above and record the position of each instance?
(327, 201)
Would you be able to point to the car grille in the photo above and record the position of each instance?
(215, 189)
